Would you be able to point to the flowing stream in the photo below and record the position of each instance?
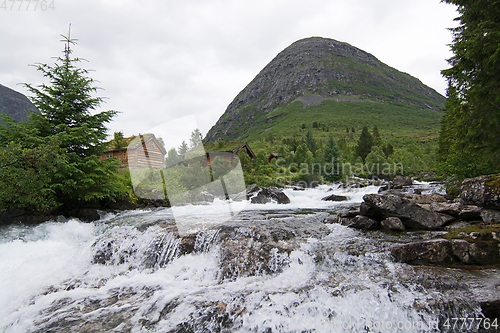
(271, 268)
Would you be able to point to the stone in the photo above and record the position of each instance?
(351, 211)
(490, 215)
(242, 196)
(402, 181)
(393, 223)
(412, 215)
(425, 198)
(252, 190)
(206, 196)
(262, 197)
(449, 208)
(479, 253)
(482, 191)
(336, 198)
(363, 223)
(332, 219)
(269, 194)
(446, 218)
(470, 213)
(436, 251)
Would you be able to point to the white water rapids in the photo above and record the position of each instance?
(50, 280)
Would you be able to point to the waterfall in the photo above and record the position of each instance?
(263, 271)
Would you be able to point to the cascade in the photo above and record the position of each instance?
(273, 268)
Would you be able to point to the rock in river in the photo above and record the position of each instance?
(412, 215)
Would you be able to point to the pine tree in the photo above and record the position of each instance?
(333, 161)
(196, 138)
(377, 141)
(172, 158)
(469, 142)
(311, 143)
(365, 144)
(183, 148)
(65, 106)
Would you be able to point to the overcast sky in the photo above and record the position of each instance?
(161, 60)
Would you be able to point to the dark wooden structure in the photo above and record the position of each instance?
(228, 151)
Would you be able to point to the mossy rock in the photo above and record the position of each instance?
(493, 181)
(482, 191)
(476, 232)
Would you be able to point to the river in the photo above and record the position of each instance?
(270, 268)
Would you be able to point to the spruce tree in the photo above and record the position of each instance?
(365, 144)
(66, 124)
(183, 148)
(65, 107)
(377, 140)
(333, 161)
(311, 143)
(470, 137)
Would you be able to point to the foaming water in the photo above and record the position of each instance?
(130, 272)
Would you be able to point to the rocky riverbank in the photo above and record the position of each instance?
(466, 230)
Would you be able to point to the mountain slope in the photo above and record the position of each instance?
(322, 72)
(15, 104)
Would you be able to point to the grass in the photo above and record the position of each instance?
(396, 121)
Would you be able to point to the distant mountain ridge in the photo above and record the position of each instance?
(14, 104)
(315, 69)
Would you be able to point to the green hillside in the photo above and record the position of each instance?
(396, 120)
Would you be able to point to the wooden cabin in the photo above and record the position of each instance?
(143, 151)
(228, 151)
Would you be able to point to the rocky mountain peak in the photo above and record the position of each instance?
(326, 68)
(14, 104)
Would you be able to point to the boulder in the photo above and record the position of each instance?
(206, 197)
(332, 219)
(351, 211)
(262, 197)
(449, 208)
(363, 223)
(269, 194)
(252, 190)
(334, 197)
(446, 218)
(490, 215)
(436, 251)
(393, 223)
(242, 196)
(402, 181)
(479, 253)
(482, 191)
(425, 198)
(412, 215)
(470, 213)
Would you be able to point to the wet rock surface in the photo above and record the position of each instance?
(334, 197)
(267, 194)
(363, 223)
(393, 223)
(411, 214)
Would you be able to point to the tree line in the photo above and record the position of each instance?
(51, 161)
